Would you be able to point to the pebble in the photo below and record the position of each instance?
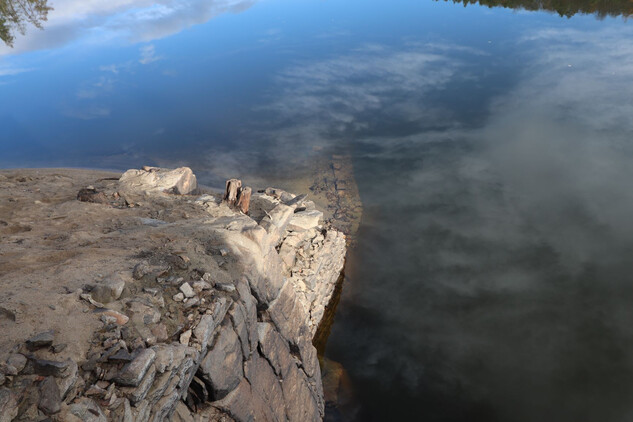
(17, 362)
(120, 318)
(185, 337)
(225, 287)
(152, 291)
(179, 297)
(140, 270)
(199, 286)
(57, 348)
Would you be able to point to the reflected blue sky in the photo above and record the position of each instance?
(492, 150)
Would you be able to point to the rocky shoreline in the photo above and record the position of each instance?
(145, 299)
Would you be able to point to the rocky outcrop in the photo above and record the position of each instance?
(213, 319)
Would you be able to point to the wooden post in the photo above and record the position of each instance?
(244, 199)
(233, 187)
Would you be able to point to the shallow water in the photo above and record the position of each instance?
(491, 146)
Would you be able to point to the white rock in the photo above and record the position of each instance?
(178, 297)
(180, 181)
(304, 220)
(186, 289)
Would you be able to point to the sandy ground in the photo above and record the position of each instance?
(51, 245)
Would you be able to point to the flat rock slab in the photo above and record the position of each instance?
(50, 397)
(40, 340)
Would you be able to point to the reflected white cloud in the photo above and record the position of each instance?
(148, 54)
(96, 21)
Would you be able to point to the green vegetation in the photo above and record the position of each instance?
(15, 14)
(600, 8)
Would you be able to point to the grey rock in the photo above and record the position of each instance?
(69, 381)
(132, 373)
(178, 297)
(140, 270)
(225, 287)
(222, 366)
(137, 394)
(108, 290)
(86, 410)
(50, 367)
(50, 398)
(204, 330)
(8, 405)
(40, 340)
(2, 378)
(57, 348)
(122, 355)
(164, 357)
(18, 361)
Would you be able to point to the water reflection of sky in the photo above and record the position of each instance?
(492, 149)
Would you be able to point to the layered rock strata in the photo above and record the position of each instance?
(162, 306)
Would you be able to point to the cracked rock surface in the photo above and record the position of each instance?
(150, 305)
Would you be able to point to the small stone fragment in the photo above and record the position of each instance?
(178, 297)
(152, 291)
(225, 287)
(185, 337)
(186, 289)
(17, 361)
(140, 270)
(120, 318)
(50, 399)
(199, 286)
(121, 356)
(40, 340)
(160, 331)
(2, 378)
(57, 348)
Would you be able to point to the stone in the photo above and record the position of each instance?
(119, 318)
(139, 393)
(180, 181)
(50, 397)
(17, 361)
(69, 381)
(160, 331)
(305, 220)
(179, 297)
(49, 367)
(122, 355)
(199, 286)
(164, 357)
(40, 340)
(140, 270)
(2, 378)
(225, 287)
(58, 348)
(132, 373)
(186, 289)
(221, 369)
(90, 194)
(8, 405)
(204, 330)
(85, 410)
(108, 290)
(185, 337)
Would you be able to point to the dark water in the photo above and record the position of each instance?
(492, 148)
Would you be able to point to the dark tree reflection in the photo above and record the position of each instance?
(15, 14)
(568, 8)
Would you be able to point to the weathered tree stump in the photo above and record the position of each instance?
(237, 196)
(244, 199)
(233, 187)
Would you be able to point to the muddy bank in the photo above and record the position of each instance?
(137, 304)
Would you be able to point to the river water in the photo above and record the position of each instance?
(492, 277)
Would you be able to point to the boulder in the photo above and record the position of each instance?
(222, 367)
(180, 181)
(108, 290)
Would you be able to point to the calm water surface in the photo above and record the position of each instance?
(492, 147)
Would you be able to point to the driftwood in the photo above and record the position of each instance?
(237, 196)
